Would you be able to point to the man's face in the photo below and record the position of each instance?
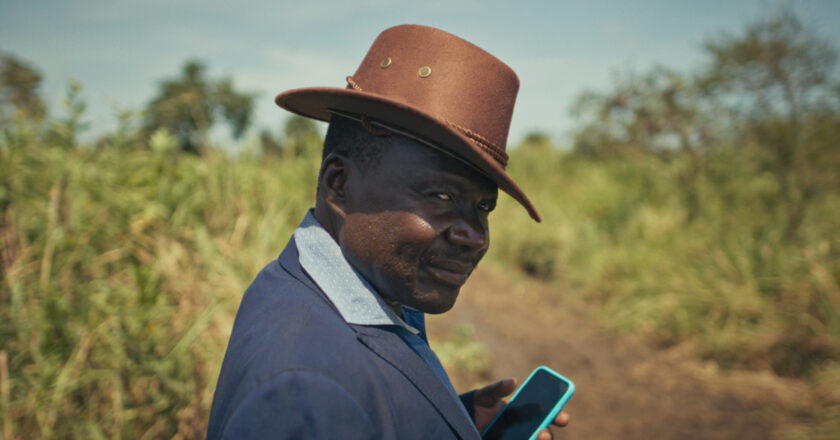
(416, 224)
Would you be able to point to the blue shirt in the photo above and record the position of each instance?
(356, 300)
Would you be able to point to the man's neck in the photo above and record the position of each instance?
(327, 219)
(393, 305)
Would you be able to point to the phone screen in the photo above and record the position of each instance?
(529, 408)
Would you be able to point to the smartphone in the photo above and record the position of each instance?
(534, 406)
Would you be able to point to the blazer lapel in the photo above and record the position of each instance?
(390, 347)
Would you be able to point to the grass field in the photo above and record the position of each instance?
(122, 269)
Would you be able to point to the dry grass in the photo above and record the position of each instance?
(122, 269)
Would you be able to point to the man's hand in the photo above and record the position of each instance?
(489, 401)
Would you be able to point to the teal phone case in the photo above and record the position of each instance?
(554, 411)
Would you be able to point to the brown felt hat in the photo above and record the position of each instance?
(433, 87)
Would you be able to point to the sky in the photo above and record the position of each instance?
(121, 50)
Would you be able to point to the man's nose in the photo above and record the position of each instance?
(470, 233)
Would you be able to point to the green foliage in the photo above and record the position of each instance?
(64, 132)
(21, 108)
(654, 112)
(727, 280)
(703, 209)
(121, 271)
(775, 67)
(19, 84)
(189, 106)
(465, 356)
(778, 79)
(771, 90)
(301, 138)
(127, 135)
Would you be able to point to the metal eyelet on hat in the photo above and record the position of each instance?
(424, 71)
(385, 62)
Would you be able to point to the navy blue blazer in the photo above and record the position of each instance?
(295, 369)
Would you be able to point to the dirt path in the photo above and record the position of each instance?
(625, 389)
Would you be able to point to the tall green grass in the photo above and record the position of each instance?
(122, 270)
(723, 277)
(121, 273)
(703, 262)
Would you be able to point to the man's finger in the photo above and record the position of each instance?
(491, 394)
(562, 419)
(503, 388)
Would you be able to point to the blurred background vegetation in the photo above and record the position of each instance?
(697, 208)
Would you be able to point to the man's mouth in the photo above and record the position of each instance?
(450, 272)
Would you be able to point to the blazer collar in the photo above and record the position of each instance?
(288, 259)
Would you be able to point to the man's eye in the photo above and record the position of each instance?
(487, 205)
(443, 196)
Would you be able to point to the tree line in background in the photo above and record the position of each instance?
(772, 92)
(186, 108)
(697, 208)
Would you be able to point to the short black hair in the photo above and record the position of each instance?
(349, 138)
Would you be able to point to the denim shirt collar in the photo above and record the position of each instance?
(356, 300)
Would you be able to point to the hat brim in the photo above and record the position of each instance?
(321, 102)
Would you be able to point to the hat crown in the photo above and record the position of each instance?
(431, 86)
(445, 76)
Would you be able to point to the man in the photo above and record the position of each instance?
(329, 341)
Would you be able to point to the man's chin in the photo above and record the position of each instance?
(437, 304)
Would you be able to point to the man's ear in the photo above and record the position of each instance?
(333, 182)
